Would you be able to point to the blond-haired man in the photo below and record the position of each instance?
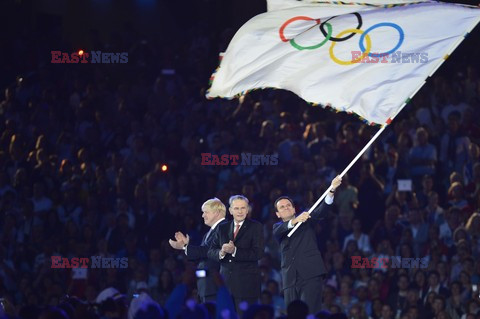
(213, 214)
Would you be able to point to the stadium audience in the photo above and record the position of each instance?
(105, 160)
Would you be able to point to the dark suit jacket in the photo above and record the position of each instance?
(300, 253)
(241, 273)
(206, 286)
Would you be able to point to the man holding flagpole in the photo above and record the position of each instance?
(302, 263)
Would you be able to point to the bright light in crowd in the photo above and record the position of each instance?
(164, 168)
(80, 52)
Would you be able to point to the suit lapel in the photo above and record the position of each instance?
(241, 231)
(230, 230)
(208, 240)
(204, 240)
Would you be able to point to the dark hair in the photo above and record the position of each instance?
(403, 275)
(297, 309)
(259, 311)
(455, 115)
(442, 298)
(427, 176)
(323, 314)
(413, 307)
(283, 197)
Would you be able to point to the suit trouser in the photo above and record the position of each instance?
(309, 291)
(208, 298)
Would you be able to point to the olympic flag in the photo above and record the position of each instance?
(361, 59)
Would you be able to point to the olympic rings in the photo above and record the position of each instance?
(313, 47)
(383, 24)
(364, 54)
(360, 22)
(342, 36)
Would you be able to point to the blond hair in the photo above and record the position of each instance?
(215, 205)
(470, 224)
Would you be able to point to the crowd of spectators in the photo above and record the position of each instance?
(105, 160)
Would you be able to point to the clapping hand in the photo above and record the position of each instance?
(180, 241)
(179, 236)
(228, 248)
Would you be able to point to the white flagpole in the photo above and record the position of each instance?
(341, 175)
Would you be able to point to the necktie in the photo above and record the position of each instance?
(237, 227)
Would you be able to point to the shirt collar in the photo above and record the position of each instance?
(240, 223)
(218, 222)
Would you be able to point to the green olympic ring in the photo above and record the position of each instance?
(316, 46)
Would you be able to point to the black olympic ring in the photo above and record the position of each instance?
(360, 22)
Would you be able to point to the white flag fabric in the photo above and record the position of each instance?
(351, 58)
(285, 4)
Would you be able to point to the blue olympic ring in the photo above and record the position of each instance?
(383, 24)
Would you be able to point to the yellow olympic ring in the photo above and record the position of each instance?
(367, 49)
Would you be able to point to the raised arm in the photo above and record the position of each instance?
(322, 209)
(193, 252)
(280, 230)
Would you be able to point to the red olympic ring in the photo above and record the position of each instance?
(286, 23)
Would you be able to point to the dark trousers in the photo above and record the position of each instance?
(309, 291)
(208, 298)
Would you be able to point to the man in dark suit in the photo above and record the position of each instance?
(302, 264)
(435, 286)
(213, 215)
(238, 246)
